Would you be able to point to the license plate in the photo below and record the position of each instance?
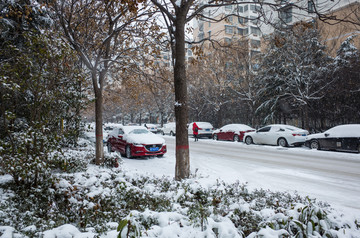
(207, 130)
(154, 148)
(338, 144)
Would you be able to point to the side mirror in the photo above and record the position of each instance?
(327, 134)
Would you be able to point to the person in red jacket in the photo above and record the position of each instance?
(195, 131)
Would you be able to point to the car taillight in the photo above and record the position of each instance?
(297, 134)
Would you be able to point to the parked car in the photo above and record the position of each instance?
(278, 134)
(134, 141)
(232, 132)
(205, 129)
(341, 138)
(168, 129)
(151, 127)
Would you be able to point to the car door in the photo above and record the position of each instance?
(118, 141)
(223, 133)
(275, 133)
(330, 142)
(261, 135)
(271, 137)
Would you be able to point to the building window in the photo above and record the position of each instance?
(227, 41)
(255, 30)
(229, 30)
(242, 31)
(201, 27)
(286, 14)
(189, 52)
(240, 9)
(255, 43)
(255, 8)
(201, 36)
(228, 8)
(246, 8)
(230, 19)
(254, 20)
(311, 6)
(209, 32)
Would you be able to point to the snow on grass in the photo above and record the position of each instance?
(155, 205)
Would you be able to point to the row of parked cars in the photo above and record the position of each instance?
(340, 138)
(135, 141)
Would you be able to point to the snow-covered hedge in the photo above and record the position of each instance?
(107, 201)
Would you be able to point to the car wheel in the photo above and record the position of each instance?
(215, 137)
(171, 133)
(128, 152)
(162, 133)
(236, 138)
(109, 148)
(248, 140)
(282, 142)
(314, 144)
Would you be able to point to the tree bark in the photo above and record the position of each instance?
(182, 167)
(99, 149)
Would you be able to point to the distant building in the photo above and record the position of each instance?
(345, 15)
(230, 23)
(241, 22)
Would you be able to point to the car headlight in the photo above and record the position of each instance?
(137, 144)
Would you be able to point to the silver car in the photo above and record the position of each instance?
(277, 134)
(169, 129)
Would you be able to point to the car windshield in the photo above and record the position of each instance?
(139, 131)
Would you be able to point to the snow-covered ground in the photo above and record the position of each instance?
(267, 167)
(332, 177)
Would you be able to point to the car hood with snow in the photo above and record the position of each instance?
(149, 138)
(141, 135)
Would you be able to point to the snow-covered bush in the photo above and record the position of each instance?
(96, 200)
(25, 155)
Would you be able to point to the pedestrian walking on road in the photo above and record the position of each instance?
(195, 131)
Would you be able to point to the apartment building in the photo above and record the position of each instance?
(336, 19)
(227, 24)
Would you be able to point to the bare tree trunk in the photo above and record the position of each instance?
(182, 167)
(99, 149)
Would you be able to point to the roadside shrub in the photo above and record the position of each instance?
(25, 155)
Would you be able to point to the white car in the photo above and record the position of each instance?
(169, 129)
(151, 127)
(277, 134)
(205, 129)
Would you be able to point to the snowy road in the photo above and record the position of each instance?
(332, 177)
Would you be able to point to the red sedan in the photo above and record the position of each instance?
(232, 132)
(134, 141)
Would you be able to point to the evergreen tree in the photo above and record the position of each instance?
(40, 91)
(292, 73)
(342, 101)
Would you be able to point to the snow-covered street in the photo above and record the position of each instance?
(331, 177)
